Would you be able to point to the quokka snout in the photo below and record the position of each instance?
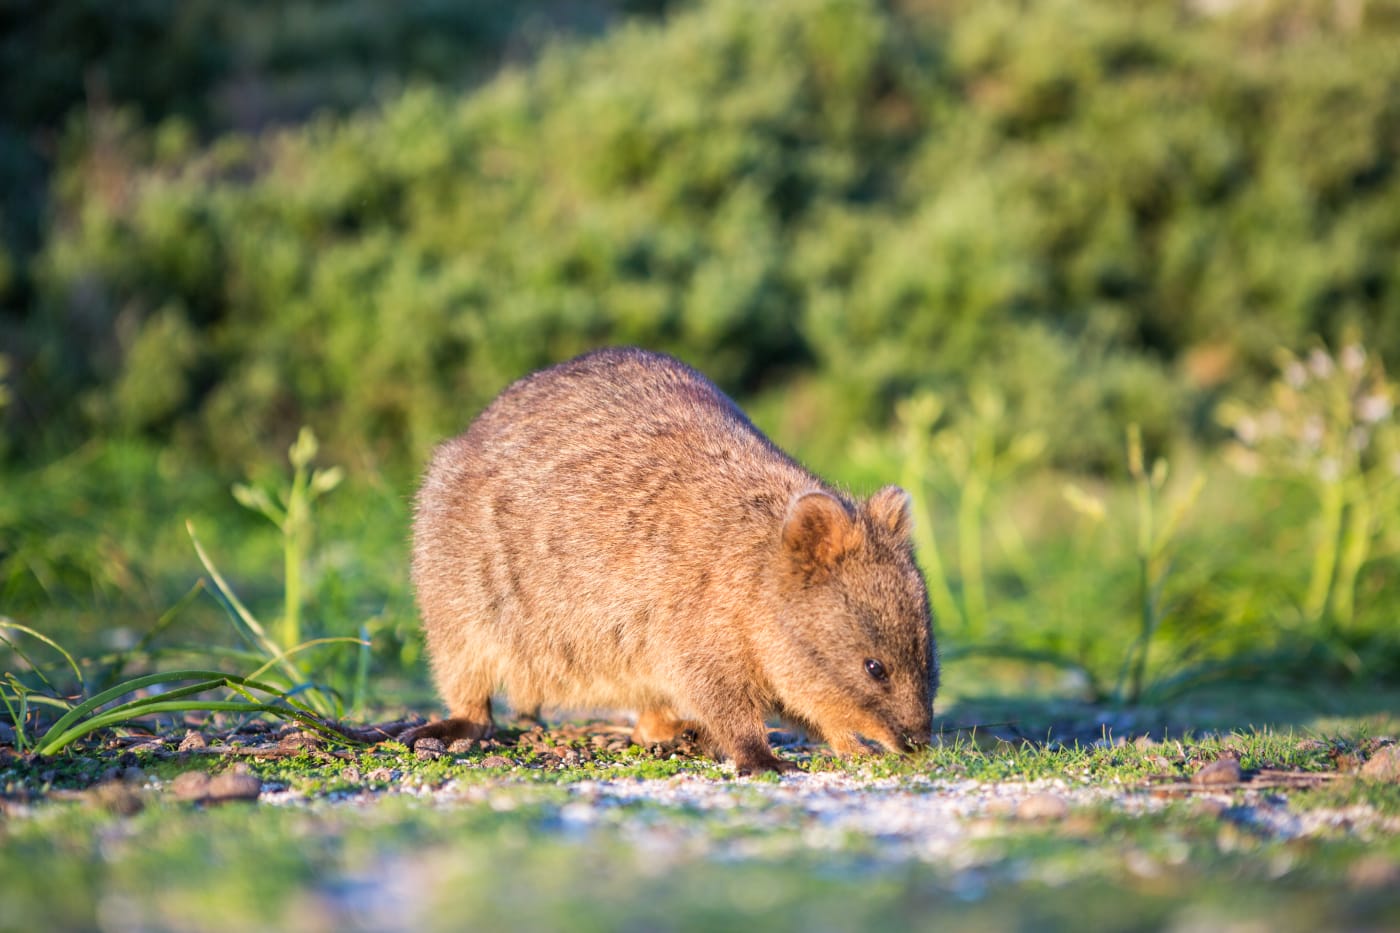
(613, 532)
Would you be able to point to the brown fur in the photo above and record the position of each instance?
(614, 532)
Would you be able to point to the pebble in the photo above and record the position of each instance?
(232, 785)
(460, 746)
(1211, 806)
(198, 787)
(1001, 806)
(300, 740)
(429, 748)
(496, 761)
(191, 785)
(1042, 807)
(117, 797)
(193, 740)
(1220, 771)
(1384, 765)
(1374, 872)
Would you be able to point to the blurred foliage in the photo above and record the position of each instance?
(203, 68)
(1111, 213)
(1329, 423)
(960, 244)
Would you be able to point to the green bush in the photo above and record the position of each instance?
(1072, 203)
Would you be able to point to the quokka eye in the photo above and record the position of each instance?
(875, 669)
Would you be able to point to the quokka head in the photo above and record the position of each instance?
(856, 655)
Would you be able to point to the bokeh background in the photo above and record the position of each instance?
(1112, 288)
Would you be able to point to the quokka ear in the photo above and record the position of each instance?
(892, 508)
(818, 530)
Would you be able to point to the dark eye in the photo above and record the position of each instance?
(875, 669)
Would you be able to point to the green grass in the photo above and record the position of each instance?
(503, 850)
(1101, 636)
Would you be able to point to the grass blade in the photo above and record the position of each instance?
(7, 622)
(250, 625)
(118, 716)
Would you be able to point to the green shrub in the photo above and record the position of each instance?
(1073, 203)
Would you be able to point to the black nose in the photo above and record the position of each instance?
(914, 739)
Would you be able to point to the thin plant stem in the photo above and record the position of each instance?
(970, 554)
(1325, 555)
(293, 547)
(1356, 542)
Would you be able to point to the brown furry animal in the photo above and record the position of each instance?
(614, 532)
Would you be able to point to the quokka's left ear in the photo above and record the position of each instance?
(892, 508)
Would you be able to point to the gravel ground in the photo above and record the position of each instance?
(917, 817)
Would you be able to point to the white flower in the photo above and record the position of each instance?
(1352, 358)
(1247, 461)
(1295, 375)
(1247, 430)
(1372, 408)
(1312, 432)
(1320, 363)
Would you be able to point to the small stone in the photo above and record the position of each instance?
(298, 741)
(191, 785)
(1384, 765)
(496, 761)
(1000, 806)
(1220, 771)
(426, 749)
(1042, 807)
(381, 776)
(1210, 806)
(233, 785)
(460, 746)
(351, 774)
(193, 740)
(117, 797)
(133, 776)
(1375, 873)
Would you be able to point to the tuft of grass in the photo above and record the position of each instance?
(1329, 424)
(280, 685)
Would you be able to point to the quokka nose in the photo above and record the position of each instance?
(916, 738)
